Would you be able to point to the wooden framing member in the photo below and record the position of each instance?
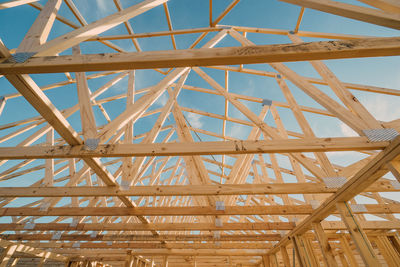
(195, 148)
(351, 11)
(230, 171)
(368, 47)
(185, 190)
(357, 234)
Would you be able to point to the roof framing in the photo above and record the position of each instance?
(171, 160)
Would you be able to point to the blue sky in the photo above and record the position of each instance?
(383, 72)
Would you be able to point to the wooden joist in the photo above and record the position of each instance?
(367, 47)
(194, 148)
(188, 211)
(152, 226)
(186, 190)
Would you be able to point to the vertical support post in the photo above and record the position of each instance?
(49, 164)
(266, 261)
(310, 252)
(42, 261)
(343, 260)
(357, 234)
(348, 252)
(165, 261)
(129, 260)
(326, 249)
(300, 256)
(285, 256)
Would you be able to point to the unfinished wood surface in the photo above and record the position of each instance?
(163, 133)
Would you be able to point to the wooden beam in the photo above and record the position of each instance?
(185, 190)
(186, 211)
(194, 148)
(367, 47)
(357, 234)
(14, 3)
(365, 14)
(88, 121)
(162, 211)
(153, 226)
(390, 6)
(137, 237)
(326, 249)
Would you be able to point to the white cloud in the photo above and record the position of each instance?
(238, 131)
(162, 100)
(346, 130)
(383, 107)
(194, 119)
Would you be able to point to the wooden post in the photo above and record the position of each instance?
(326, 249)
(310, 251)
(357, 234)
(42, 261)
(266, 261)
(348, 252)
(285, 257)
(165, 261)
(299, 253)
(343, 260)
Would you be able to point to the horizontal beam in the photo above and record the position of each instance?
(185, 190)
(149, 227)
(136, 245)
(104, 255)
(128, 237)
(187, 211)
(327, 225)
(367, 47)
(197, 148)
(159, 211)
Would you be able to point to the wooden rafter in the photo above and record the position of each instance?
(198, 156)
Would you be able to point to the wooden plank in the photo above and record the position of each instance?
(390, 6)
(367, 47)
(186, 210)
(186, 190)
(139, 237)
(160, 211)
(351, 11)
(15, 3)
(88, 121)
(357, 234)
(326, 249)
(153, 226)
(196, 148)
